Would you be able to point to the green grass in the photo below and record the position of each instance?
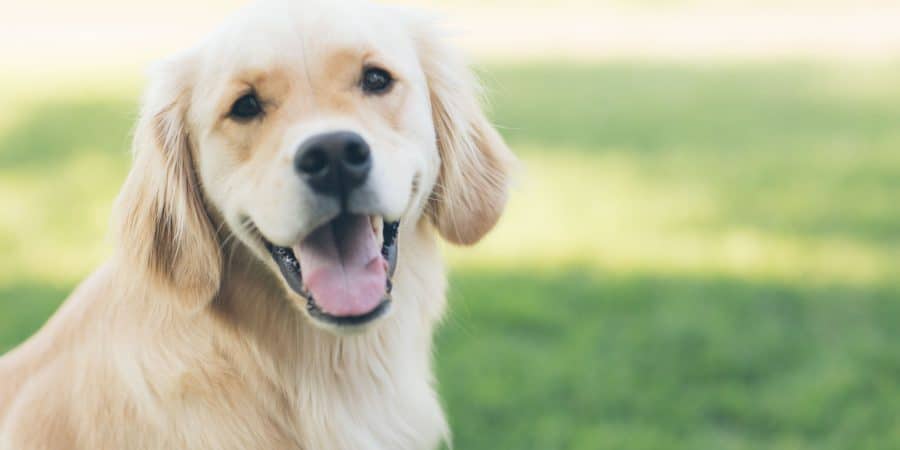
(695, 257)
(576, 360)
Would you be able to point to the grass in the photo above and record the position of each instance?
(695, 257)
(576, 360)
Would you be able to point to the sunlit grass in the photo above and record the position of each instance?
(54, 229)
(626, 212)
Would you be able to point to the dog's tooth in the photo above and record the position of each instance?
(377, 227)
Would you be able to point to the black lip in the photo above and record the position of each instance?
(290, 269)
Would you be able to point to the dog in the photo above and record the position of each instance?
(277, 276)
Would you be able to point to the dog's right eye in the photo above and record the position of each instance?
(246, 108)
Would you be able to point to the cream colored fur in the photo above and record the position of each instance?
(187, 337)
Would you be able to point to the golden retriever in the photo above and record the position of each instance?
(277, 277)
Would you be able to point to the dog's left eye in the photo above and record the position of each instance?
(246, 108)
(376, 80)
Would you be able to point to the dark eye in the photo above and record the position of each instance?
(246, 108)
(376, 81)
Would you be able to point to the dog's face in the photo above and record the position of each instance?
(313, 143)
(312, 130)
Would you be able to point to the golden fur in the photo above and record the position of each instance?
(187, 338)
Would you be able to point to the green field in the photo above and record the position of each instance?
(695, 257)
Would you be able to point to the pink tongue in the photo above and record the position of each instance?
(343, 268)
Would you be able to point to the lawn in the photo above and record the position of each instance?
(695, 257)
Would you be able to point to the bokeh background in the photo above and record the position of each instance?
(702, 250)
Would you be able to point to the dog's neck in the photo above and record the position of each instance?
(253, 310)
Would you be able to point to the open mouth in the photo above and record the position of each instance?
(341, 271)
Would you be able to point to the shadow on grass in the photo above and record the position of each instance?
(575, 361)
(24, 307)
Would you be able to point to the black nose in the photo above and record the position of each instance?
(334, 163)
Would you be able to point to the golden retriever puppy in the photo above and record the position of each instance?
(277, 277)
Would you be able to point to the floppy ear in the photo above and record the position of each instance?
(472, 186)
(164, 230)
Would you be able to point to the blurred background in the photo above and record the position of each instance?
(702, 252)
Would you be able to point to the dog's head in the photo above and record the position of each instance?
(309, 130)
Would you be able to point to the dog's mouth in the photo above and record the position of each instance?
(342, 273)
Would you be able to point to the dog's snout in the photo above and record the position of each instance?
(334, 163)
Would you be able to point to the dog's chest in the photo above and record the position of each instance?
(396, 412)
(368, 405)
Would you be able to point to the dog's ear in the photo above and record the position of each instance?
(471, 189)
(163, 226)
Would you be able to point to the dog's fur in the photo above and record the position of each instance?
(188, 337)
